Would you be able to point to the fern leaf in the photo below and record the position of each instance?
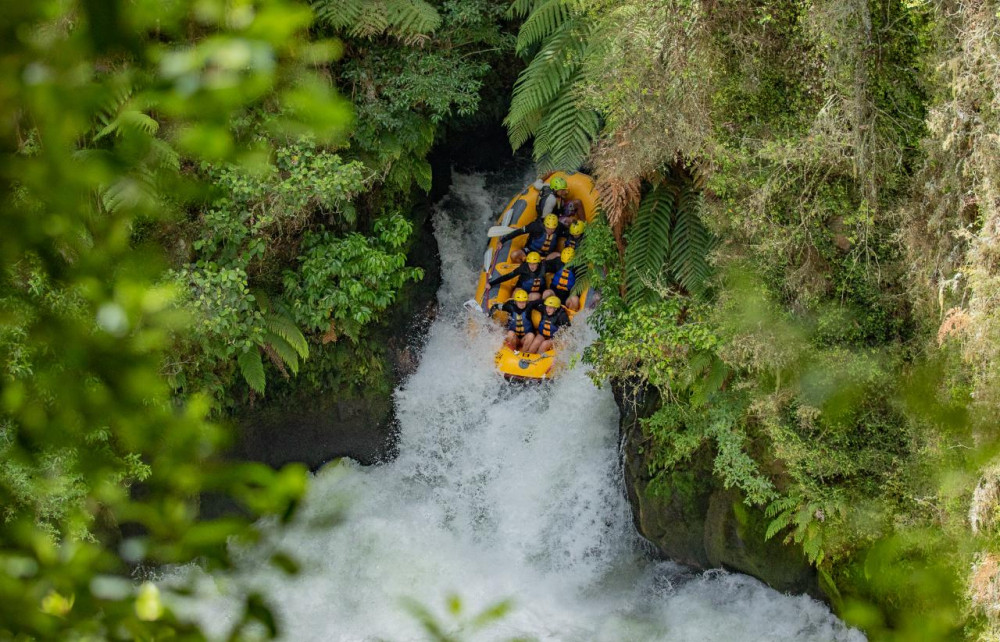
(520, 132)
(129, 192)
(777, 525)
(285, 328)
(409, 17)
(649, 243)
(288, 355)
(691, 243)
(546, 76)
(252, 368)
(544, 20)
(365, 19)
(339, 14)
(565, 135)
(520, 8)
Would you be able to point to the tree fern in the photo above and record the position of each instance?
(547, 75)
(691, 242)
(649, 244)
(544, 103)
(252, 368)
(565, 133)
(543, 21)
(412, 17)
(368, 18)
(520, 8)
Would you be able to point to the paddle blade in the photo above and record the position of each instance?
(499, 230)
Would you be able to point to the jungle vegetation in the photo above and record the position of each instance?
(205, 202)
(798, 255)
(798, 252)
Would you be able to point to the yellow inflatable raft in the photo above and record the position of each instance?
(518, 213)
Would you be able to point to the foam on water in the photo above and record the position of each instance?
(498, 492)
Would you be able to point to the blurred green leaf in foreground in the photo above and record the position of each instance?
(101, 105)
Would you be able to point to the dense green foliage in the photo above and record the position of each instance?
(209, 201)
(842, 169)
(293, 261)
(87, 315)
(192, 215)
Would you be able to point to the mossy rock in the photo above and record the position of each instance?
(734, 539)
(671, 511)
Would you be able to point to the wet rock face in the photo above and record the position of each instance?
(689, 518)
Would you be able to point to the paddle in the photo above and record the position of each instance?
(499, 230)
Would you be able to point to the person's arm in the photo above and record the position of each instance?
(564, 318)
(530, 228)
(516, 233)
(505, 277)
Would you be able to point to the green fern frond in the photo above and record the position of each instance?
(565, 134)
(583, 279)
(520, 132)
(162, 155)
(649, 243)
(412, 17)
(129, 192)
(546, 75)
(252, 368)
(778, 524)
(781, 505)
(129, 121)
(110, 107)
(285, 328)
(365, 19)
(520, 8)
(339, 14)
(691, 243)
(288, 354)
(544, 20)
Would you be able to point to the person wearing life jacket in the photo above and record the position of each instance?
(520, 331)
(551, 196)
(572, 212)
(553, 319)
(575, 234)
(543, 237)
(530, 276)
(563, 279)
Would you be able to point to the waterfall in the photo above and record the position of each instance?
(498, 492)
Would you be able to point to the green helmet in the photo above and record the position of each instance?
(558, 183)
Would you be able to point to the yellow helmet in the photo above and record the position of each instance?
(520, 295)
(558, 183)
(551, 221)
(576, 228)
(553, 302)
(534, 257)
(567, 254)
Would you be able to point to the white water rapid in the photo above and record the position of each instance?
(498, 492)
